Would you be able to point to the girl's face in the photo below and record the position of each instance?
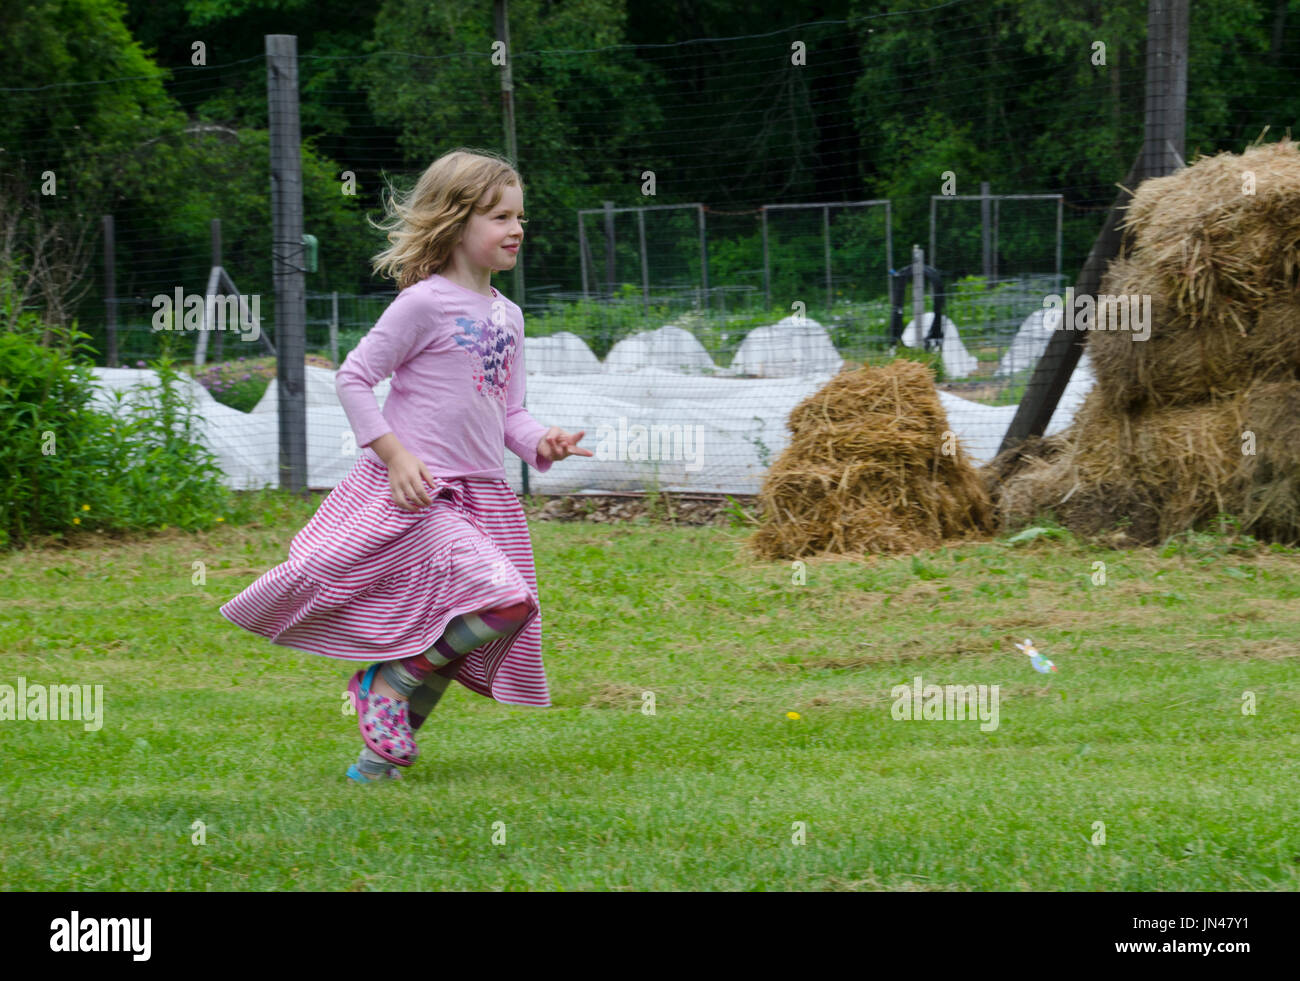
(491, 240)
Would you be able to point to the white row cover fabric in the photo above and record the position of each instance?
(691, 432)
(787, 349)
(1030, 342)
(957, 361)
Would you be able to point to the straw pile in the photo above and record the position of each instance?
(1164, 438)
(865, 471)
(1170, 469)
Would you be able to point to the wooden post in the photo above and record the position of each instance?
(110, 292)
(1166, 103)
(287, 257)
(1166, 88)
(1057, 364)
(501, 15)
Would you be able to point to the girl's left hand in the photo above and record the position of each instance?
(557, 444)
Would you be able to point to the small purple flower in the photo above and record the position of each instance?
(139, 364)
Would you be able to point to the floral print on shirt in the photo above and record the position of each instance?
(491, 350)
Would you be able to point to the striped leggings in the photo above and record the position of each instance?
(439, 665)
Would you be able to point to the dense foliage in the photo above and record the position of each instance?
(67, 467)
(892, 96)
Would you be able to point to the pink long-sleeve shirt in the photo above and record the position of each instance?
(457, 361)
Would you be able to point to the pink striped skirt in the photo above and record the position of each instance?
(367, 581)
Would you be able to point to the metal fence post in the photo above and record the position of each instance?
(767, 269)
(826, 244)
(214, 227)
(334, 329)
(986, 246)
(110, 292)
(918, 291)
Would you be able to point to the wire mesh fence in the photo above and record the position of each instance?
(785, 194)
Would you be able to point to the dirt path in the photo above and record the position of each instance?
(667, 509)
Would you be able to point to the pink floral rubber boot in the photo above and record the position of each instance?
(384, 722)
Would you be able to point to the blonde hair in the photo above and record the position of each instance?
(425, 223)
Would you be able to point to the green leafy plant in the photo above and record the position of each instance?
(738, 516)
(761, 448)
(1047, 532)
(69, 468)
(239, 384)
(47, 430)
(933, 359)
(160, 472)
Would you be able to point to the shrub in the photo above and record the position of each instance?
(163, 475)
(47, 429)
(68, 468)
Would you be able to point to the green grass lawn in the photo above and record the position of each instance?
(1142, 729)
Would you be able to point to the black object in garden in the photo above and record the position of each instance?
(898, 280)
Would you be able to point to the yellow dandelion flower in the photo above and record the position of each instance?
(76, 521)
(85, 507)
(792, 715)
(221, 519)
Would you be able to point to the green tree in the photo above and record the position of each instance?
(431, 76)
(60, 115)
(1036, 96)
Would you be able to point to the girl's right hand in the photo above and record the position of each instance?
(405, 475)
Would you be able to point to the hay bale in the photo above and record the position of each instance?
(1187, 360)
(1158, 440)
(1220, 251)
(1168, 470)
(865, 471)
(1266, 488)
(1015, 459)
(1223, 270)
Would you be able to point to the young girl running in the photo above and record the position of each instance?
(420, 560)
